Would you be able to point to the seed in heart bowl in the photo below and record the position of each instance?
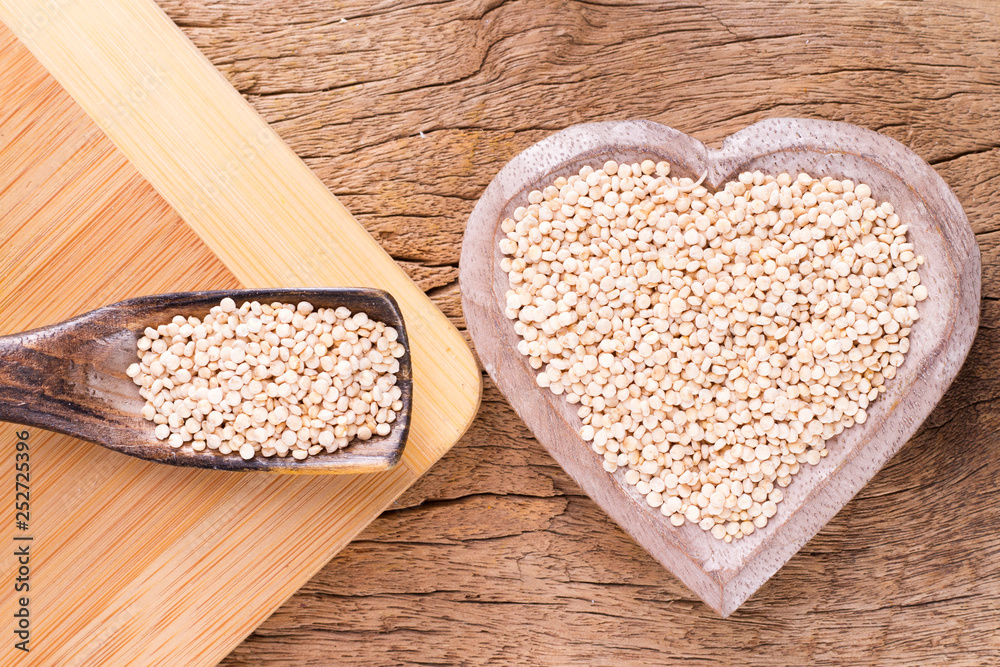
(714, 341)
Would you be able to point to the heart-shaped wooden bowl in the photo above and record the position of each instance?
(725, 575)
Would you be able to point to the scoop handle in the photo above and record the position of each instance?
(67, 378)
(33, 390)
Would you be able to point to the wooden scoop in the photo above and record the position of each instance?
(70, 377)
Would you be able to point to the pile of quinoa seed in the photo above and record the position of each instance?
(713, 341)
(269, 379)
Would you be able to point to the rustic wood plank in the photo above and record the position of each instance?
(861, 590)
(352, 98)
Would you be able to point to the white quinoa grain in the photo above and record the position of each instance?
(259, 380)
(713, 342)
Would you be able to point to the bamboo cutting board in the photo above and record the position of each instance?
(158, 178)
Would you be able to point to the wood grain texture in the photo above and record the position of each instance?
(70, 377)
(140, 563)
(906, 574)
(725, 575)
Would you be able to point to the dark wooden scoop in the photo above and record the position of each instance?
(70, 378)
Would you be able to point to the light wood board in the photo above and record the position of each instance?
(134, 562)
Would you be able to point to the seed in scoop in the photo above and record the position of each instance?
(269, 380)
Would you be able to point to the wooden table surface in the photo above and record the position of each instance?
(407, 110)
